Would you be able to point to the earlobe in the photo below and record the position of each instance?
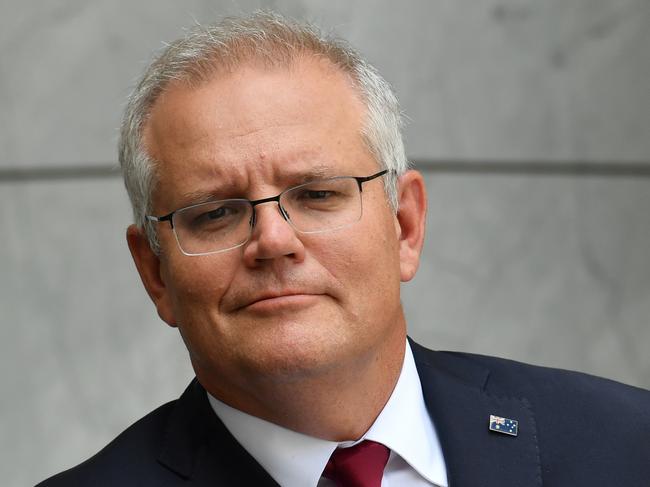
(411, 218)
(148, 265)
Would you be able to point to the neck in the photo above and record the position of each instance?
(339, 404)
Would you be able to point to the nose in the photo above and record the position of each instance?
(272, 236)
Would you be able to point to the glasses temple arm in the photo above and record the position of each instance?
(165, 218)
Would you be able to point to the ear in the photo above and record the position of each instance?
(148, 265)
(411, 222)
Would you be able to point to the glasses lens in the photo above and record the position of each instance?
(324, 205)
(213, 227)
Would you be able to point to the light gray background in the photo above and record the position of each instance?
(530, 120)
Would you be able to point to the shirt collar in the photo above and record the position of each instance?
(295, 459)
(405, 426)
(291, 458)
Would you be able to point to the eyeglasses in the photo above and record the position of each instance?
(314, 207)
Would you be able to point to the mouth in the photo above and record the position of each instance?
(281, 302)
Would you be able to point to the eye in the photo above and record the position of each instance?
(317, 199)
(214, 217)
(217, 213)
(316, 194)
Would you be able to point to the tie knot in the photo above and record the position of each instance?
(361, 465)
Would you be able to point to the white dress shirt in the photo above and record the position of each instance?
(296, 460)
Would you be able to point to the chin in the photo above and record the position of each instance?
(298, 350)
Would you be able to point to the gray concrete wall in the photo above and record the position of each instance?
(530, 120)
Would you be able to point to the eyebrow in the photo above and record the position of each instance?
(197, 197)
(319, 171)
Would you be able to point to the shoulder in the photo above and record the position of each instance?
(589, 419)
(181, 442)
(582, 429)
(500, 376)
(131, 455)
(558, 386)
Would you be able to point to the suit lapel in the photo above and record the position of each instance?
(199, 448)
(455, 394)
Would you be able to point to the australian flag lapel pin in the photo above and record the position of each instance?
(504, 425)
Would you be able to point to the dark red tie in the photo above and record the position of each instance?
(361, 465)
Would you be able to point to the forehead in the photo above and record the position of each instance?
(256, 124)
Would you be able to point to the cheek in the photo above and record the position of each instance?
(199, 282)
(364, 259)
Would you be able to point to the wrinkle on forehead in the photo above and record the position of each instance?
(220, 188)
(255, 131)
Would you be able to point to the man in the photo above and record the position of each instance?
(275, 219)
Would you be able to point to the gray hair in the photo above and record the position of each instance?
(274, 40)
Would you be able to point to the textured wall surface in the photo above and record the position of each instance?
(533, 253)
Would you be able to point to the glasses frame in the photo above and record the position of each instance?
(169, 217)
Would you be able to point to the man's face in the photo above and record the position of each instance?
(285, 305)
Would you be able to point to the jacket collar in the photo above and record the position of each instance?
(456, 394)
(197, 445)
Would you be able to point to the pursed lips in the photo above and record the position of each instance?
(275, 296)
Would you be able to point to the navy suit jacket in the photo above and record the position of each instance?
(574, 430)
